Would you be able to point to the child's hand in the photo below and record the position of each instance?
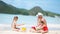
(21, 24)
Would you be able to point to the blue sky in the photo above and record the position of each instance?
(48, 5)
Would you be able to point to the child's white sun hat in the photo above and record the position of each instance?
(39, 14)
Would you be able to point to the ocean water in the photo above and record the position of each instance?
(53, 23)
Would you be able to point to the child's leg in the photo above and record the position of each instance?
(43, 32)
(33, 29)
(16, 29)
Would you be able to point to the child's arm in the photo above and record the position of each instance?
(43, 26)
(44, 21)
(19, 24)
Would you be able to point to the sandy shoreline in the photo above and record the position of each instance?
(4, 29)
(14, 32)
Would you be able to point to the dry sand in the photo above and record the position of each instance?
(14, 32)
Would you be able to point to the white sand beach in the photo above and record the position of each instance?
(3, 31)
(14, 32)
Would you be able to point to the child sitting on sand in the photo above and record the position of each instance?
(14, 24)
(42, 28)
(41, 25)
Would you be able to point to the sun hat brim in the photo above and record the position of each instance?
(39, 14)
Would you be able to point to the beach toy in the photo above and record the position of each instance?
(23, 28)
(38, 28)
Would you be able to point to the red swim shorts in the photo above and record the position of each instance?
(45, 28)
